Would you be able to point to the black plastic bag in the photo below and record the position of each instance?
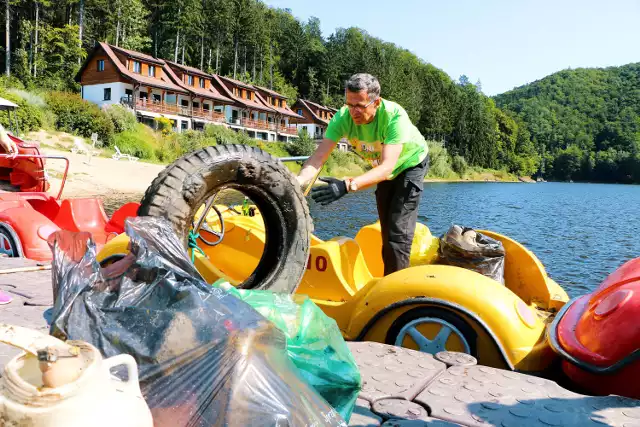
(466, 248)
(205, 357)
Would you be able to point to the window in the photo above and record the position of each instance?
(280, 102)
(100, 64)
(196, 105)
(299, 111)
(157, 98)
(137, 67)
(152, 71)
(185, 103)
(202, 82)
(205, 107)
(107, 94)
(190, 80)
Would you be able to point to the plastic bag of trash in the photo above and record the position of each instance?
(466, 248)
(314, 344)
(205, 357)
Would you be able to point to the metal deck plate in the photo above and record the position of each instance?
(405, 388)
(483, 396)
(389, 371)
(431, 422)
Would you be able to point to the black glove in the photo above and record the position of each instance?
(329, 193)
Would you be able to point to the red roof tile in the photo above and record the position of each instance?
(247, 103)
(137, 55)
(237, 82)
(164, 83)
(188, 69)
(270, 92)
(285, 111)
(211, 93)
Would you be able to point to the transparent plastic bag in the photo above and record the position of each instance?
(314, 344)
(205, 357)
(466, 248)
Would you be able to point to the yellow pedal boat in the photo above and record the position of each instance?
(427, 307)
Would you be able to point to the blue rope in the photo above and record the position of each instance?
(193, 245)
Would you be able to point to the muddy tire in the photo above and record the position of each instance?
(180, 189)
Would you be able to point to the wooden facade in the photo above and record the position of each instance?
(110, 74)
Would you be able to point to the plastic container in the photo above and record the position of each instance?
(89, 394)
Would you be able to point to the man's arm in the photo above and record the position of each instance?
(390, 155)
(315, 162)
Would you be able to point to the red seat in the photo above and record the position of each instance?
(82, 215)
(116, 223)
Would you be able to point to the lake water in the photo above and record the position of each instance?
(580, 232)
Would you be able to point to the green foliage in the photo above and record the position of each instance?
(585, 123)
(221, 135)
(277, 149)
(303, 146)
(139, 141)
(459, 165)
(164, 125)
(270, 47)
(344, 163)
(73, 114)
(28, 116)
(122, 118)
(439, 163)
(59, 58)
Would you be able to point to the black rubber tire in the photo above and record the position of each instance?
(465, 329)
(14, 241)
(183, 186)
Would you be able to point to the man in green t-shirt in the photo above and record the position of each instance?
(382, 133)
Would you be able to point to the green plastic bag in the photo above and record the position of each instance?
(314, 344)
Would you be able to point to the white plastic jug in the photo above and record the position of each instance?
(88, 394)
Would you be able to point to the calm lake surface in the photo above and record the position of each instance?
(580, 232)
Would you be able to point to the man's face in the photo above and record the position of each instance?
(361, 108)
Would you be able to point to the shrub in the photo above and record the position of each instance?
(123, 119)
(303, 146)
(28, 117)
(140, 142)
(31, 98)
(459, 165)
(344, 163)
(277, 149)
(164, 125)
(439, 165)
(76, 115)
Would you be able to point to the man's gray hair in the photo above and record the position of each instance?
(363, 81)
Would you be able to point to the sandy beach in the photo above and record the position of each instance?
(115, 181)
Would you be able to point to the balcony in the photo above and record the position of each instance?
(270, 126)
(204, 114)
(291, 130)
(212, 116)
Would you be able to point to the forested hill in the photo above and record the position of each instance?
(252, 42)
(586, 121)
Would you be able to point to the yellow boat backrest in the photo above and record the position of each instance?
(336, 270)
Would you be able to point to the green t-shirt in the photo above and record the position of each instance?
(391, 125)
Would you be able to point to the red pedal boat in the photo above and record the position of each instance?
(598, 335)
(25, 172)
(28, 218)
